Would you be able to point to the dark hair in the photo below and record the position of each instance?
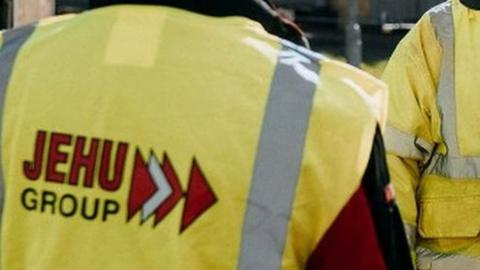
(257, 10)
(473, 4)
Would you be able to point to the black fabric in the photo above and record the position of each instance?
(4, 9)
(386, 215)
(257, 10)
(473, 4)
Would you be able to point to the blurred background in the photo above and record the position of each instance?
(361, 32)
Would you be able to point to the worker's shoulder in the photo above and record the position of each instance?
(175, 24)
(343, 89)
(8, 36)
(435, 20)
(344, 71)
(352, 89)
(442, 9)
(428, 26)
(55, 19)
(177, 18)
(422, 42)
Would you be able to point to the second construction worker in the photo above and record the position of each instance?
(433, 135)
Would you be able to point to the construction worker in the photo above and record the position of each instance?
(152, 137)
(432, 135)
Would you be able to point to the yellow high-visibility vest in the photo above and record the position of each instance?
(432, 136)
(139, 137)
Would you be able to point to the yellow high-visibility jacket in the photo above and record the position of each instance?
(433, 135)
(139, 137)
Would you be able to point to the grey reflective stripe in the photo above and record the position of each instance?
(442, 20)
(430, 260)
(12, 42)
(411, 233)
(278, 160)
(406, 145)
(455, 167)
(452, 165)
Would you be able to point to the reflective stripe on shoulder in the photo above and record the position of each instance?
(442, 21)
(430, 260)
(278, 160)
(452, 165)
(12, 42)
(406, 145)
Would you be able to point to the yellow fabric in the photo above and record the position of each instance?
(467, 96)
(92, 76)
(440, 214)
(325, 183)
(412, 76)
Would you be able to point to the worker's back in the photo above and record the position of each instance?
(139, 137)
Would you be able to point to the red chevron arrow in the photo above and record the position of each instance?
(199, 198)
(142, 186)
(176, 195)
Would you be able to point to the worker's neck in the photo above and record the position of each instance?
(473, 4)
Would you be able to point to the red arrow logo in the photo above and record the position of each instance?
(155, 190)
(200, 197)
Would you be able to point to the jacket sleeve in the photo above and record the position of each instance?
(413, 126)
